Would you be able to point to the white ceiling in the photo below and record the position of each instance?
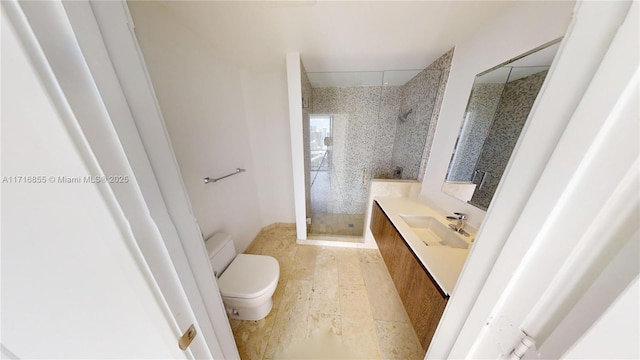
(333, 35)
(345, 79)
(361, 78)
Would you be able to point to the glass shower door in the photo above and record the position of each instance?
(337, 201)
(319, 163)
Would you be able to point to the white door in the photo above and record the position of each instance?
(74, 281)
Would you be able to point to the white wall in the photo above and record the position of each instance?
(266, 106)
(219, 117)
(525, 26)
(71, 284)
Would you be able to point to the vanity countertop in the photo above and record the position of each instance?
(443, 263)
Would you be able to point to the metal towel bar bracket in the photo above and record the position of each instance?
(208, 179)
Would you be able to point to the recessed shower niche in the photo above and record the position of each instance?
(359, 126)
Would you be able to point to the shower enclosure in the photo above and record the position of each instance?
(359, 126)
(335, 208)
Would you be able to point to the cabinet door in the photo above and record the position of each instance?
(384, 234)
(423, 301)
(377, 219)
(402, 267)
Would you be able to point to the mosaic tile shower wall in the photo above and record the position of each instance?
(355, 112)
(419, 97)
(516, 102)
(386, 134)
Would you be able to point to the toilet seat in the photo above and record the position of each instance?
(249, 276)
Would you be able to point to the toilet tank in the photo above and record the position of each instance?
(221, 252)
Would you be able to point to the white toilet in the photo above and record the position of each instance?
(247, 282)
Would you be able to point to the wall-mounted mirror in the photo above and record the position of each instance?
(498, 107)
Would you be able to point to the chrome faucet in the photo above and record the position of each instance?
(461, 220)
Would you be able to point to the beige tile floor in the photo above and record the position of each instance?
(330, 303)
(337, 224)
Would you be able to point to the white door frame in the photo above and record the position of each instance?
(104, 79)
(294, 86)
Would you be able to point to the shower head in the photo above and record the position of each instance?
(403, 117)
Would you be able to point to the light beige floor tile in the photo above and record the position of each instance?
(358, 327)
(273, 247)
(234, 323)
(282, 282)
(287, 330)
(359, 334)
(286, 260)
(252, 336)
(342, 222)
(296, 297)
(383, 296)
(327, 262)
(337, 224)
(325, 298)
(318, 228)
(277, 295)
(304, 263)
(359, 222)
(277, 241)
(354, 301)
(370, 256)
(291, 323)
(320, 345)
(349, 271)
(324, 324)
(398, 341)
(352, 224)
(332, 229)
(255, 247)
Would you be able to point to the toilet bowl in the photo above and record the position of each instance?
(247, 282)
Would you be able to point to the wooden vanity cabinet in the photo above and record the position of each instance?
(423, 299)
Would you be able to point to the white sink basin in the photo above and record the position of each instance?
(433, 233)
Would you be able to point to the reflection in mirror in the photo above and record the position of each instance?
(498, 107)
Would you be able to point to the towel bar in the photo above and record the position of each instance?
(208, 179)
